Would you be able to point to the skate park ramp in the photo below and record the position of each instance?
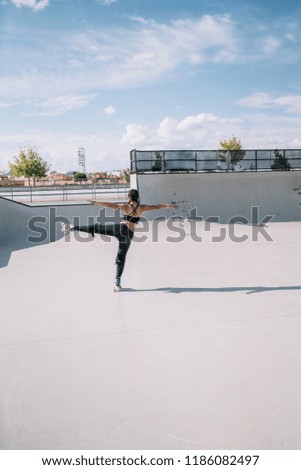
(226, 196)
(23, 226)
(200, 350)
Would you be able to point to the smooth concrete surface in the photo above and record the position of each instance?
(201, 350)
(226, 195)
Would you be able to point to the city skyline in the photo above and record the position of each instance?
(113, 75)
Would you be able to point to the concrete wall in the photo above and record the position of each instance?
(15, 217)
(225, 195)
(15, 226)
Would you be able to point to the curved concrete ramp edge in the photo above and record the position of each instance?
(23, 226)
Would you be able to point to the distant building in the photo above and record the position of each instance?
(8, 181)
(60, 178)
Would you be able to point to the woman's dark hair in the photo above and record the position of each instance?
(133, 195)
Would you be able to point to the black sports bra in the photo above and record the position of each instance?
(132, 217)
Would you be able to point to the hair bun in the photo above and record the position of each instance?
(133, 195)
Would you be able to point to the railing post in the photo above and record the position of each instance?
(256, 160)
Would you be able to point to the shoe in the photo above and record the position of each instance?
(117, 288)
(65, 228)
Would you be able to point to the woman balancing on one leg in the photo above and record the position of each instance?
(123, 231)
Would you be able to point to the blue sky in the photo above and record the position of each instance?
(112, 75)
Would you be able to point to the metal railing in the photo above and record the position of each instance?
(62, 193)
(165, 161)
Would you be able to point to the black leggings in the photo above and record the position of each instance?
(120, 231)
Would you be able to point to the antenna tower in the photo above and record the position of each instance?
(81, 160)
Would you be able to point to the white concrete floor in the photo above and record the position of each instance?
(201, 350)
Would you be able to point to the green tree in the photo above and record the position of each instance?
(28, 163)
(79, 176)
(234, 147)
(126, 175)
(280, 163)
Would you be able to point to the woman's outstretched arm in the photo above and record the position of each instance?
(113, 205)
(153, 207)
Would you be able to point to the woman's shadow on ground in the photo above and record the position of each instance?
(247, 290)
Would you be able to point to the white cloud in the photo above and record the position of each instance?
(118, 58)
(290, 103)
(36, 5)
(135, 134)
(109, 110)
(108, 151)
(191, 132)
(106, 2)
(290, 36)
(59, 105)
(145, 52)
(192, 122)
(144, 55)
(140, 19)
(256, 100)
(65, 70)
(166, 131)
(270, 45)
(75, 63)
(8, 104)
(255, 131)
